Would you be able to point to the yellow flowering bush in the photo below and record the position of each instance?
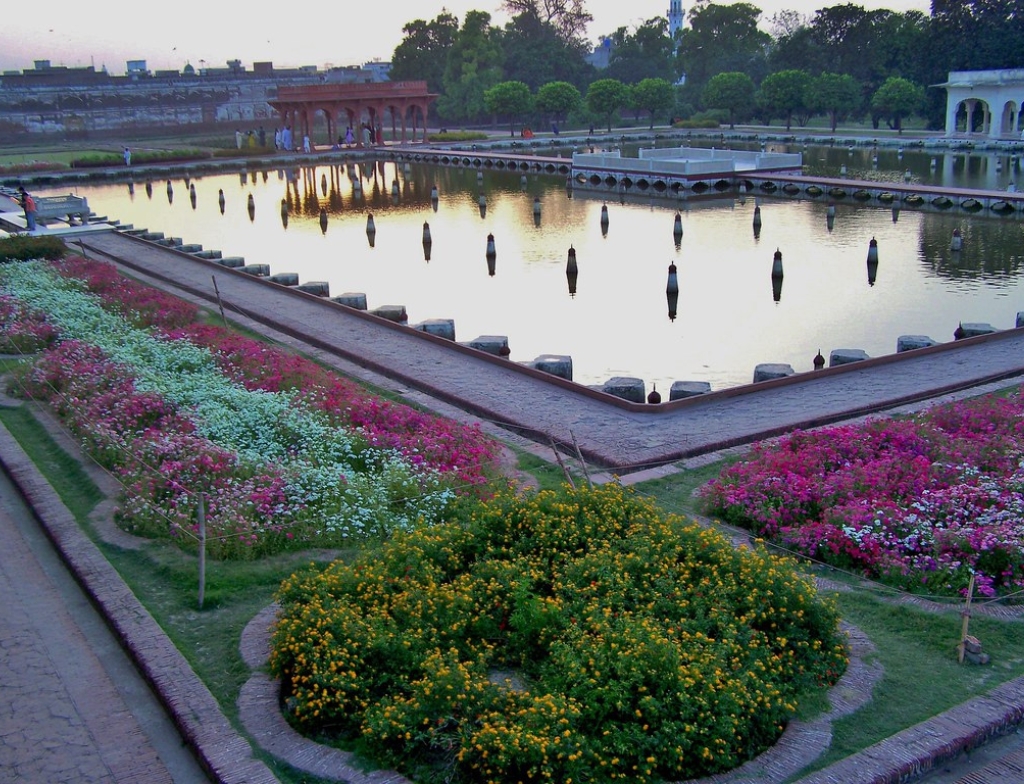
(580, 636)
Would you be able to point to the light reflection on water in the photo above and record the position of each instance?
(617, 323)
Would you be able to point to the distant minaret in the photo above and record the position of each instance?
(675, 17)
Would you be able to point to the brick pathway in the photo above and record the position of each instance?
(610, 432)
(61, 717)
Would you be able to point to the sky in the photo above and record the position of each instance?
(208, 33)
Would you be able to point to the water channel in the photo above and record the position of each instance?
(729, 317)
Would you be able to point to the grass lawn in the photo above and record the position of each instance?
(916, 648)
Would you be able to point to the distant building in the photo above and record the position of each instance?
(83, 101)
(601, 56)
(675, 18)
(138, 68)
(381, 71)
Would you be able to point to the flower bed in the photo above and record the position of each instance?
(580, 636)
(919, 503)
(170, 418)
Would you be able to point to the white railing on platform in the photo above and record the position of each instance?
(688, 161)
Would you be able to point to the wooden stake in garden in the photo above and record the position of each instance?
(579, 456)
(565, 469)
(201, 515)
(219, 303)
(962, 647)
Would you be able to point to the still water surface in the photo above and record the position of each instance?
(617, 324)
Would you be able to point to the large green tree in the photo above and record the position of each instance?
(536, 53)
(847, 41)
(655, 96)
(897, 98)
(723, 38)
(837, 95)
(423, 52)
(557, 100)
(605, 97)
(732, 92)
(474, 65)
(647, 52)
(784, 94)
(512, 99)
(569, 17)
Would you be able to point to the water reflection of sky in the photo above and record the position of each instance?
(617, 324)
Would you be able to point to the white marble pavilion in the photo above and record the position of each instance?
(985, 103)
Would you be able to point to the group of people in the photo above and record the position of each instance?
(285, 140)
(250, 138)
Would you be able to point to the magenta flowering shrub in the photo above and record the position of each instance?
(166, 462)
(160, 461)
(22, 329)
(920, 503)
(138, 304)
(465, 453)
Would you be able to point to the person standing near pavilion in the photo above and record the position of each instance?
(127, 157)
(28, 204)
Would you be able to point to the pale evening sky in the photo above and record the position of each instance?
(210, 32)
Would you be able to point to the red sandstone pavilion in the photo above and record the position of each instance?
(353, 105)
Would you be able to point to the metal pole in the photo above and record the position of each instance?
(202, 549)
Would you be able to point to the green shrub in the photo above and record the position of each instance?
(138, 157)
(575, 636)
(27, 167)
(457, 136)
(699, 120)
(22, 248)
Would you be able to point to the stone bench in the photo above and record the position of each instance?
(62, 208)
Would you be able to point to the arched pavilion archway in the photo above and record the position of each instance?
(400, 104)
(985, 103)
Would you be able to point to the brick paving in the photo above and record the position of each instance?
(60, 719)
(610, 432)
(616, 434)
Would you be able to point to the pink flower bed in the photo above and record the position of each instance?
(919, 503)
(138, 304)
(164, 464)
(157, 457)
(461, 451)
(23, 330)
(456, 449)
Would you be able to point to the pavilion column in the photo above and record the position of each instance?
(328, 111)
(952, 104)
(995, 120)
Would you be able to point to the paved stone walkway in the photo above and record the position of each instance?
(612, 433)
(61, 717)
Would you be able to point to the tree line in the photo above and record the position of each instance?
(843, 62)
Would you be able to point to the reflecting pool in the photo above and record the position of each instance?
(616, 321)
